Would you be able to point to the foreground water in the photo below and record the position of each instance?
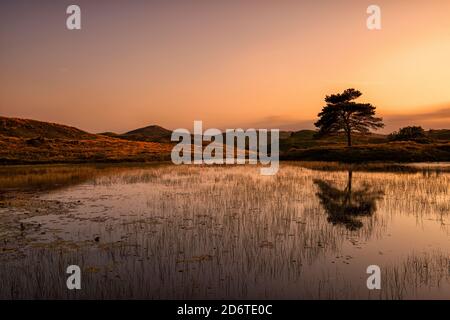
(165, 231)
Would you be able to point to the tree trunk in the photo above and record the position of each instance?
(349, 138)
(348, 190)
(349, 181)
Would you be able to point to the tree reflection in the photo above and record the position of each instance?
(346, 207)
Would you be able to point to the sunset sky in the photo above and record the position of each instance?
(229, 63)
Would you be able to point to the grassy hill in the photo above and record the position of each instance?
(442, 134)
(151, 133)
(307, 139)
(303, 145)
(29, 141)
(392, 151)
(25, 128)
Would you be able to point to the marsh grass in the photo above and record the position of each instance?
(419, 270)
(227, 232)
(48, 177)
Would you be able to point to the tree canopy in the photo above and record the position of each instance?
(343, 114)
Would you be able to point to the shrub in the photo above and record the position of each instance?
(413, 133)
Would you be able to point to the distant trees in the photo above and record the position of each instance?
(411, 133)
(342, 114)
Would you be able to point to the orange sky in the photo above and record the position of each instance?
(229, 63)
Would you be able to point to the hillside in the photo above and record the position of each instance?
(30, 141)
(303, 145)
(442, 134)
(306, 139)
(151, 133)
(388, 152)
(25, 128)
(288, 139)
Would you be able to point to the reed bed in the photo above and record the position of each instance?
(177, 232)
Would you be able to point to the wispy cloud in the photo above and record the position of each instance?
(434, 119)
(437, 118)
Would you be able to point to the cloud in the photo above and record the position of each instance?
(437, 118)
(434, 119)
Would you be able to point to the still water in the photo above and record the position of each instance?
(164, 231)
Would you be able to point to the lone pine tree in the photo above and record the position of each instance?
(342, 114)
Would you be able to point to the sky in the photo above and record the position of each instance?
(247, 63)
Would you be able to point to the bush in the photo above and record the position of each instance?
(414, 133)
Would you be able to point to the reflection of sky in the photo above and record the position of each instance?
(228, 63)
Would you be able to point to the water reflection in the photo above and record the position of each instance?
(346, 207)
(225, 232)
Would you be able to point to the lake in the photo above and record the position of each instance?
(161, 231)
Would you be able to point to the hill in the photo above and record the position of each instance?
(307, 139)
(29, 141)
(303, 145)
(25, 128)
(387, 152)
(151, 133)
(442, 134)
(110, 134)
